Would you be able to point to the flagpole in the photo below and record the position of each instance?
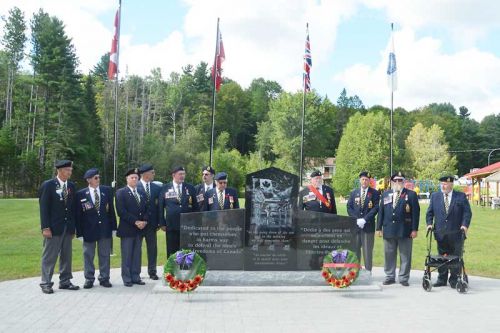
(115, 146)
(392, 112)
(301, 166)
(213, 95)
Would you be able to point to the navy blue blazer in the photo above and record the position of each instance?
(129, 211)
(170, 208)
(211, 201)
(155, 190)
(308, 201)
(401, 221)
(459, 214)
(91, 223)
(55, 213)
(200, 194)
(368, 210)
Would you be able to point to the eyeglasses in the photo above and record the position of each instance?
(206, 174)
(97, 177)
(222, 182)
(398, 180)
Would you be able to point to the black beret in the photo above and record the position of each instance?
(221, 176)
(398, 174)
(178, 168)
(63, 164)
(91, 173)
(145, 168)
(316, 173)
(209, 169)
(365, 174)
(132, 172)
(449, 179)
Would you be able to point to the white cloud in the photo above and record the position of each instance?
(427, 74)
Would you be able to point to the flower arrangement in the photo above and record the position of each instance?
(184, 271)
(340, 268)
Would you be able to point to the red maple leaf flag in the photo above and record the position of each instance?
(113, 55)
(219, 59)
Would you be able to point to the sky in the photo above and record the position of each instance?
(446, 50)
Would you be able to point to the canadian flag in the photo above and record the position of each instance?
(220, 56)
(113, 55)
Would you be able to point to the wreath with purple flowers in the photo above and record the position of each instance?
(340, 268)
(184, 271)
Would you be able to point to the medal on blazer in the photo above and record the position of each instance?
(408, 209)
(370, 204)
(231, 201)
(107, 208)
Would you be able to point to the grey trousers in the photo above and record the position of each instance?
(152, 248)
(365, 241)
(131, 258)
(391, 246)
(103, 253)
(57, 246)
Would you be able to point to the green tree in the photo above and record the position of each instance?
(428, 151)
(364, 146)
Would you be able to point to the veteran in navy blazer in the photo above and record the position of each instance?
(221, 197)
(398, 220)
(132, 208)
(317, 196)
(151, 191)
(57, 220)
(175, 198)
(208, 174)
(363, 205)
(448, 215)
(95, 222)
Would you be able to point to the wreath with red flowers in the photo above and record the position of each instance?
(340, 268)
(184, 271)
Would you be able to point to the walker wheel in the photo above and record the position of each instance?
(426, 284)
(462, 287)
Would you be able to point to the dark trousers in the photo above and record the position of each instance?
(57, 246)
(451, 246)
(152, 248)
(173, 242)
(131, 258)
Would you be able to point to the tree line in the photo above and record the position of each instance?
(54, 111)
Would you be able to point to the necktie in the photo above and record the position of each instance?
(97, 201)
(363, 197)
(221, 199)
(136, 196)
(396, 199)
(179, 192)
(446, 203)
(65, 192)
(148, 194)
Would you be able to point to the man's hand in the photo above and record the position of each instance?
(360, 223)
(414, 234)
(164, 228)
(464, 228)
(429, 227)
(73, 236)
(47, 233)
(379, 233)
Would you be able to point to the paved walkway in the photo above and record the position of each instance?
(23, 308)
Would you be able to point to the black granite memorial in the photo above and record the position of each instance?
(271, 198)
(218, 236)
(319, 233)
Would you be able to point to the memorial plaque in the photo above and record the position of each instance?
(271, 198)
(218, 236)
(320, 233)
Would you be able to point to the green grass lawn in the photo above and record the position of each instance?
(21, 242)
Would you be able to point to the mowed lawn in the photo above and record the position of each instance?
(21, 242)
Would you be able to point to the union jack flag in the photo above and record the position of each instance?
(307, 63)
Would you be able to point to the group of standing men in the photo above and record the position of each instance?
(143, 207)
(398, 215)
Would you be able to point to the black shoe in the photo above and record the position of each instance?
(388, 282)
(88, 284)
(128, 284)
(405, 284)
(106, 284)
(439, 283)
(153, 277)
(140, 282)
(47, 290)
(69, 286)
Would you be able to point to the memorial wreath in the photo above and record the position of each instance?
(340, 268)
(184, 271)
